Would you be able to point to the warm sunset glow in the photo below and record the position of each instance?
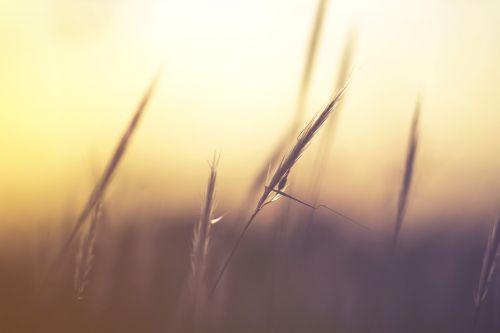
(73, 71)
(249, 166)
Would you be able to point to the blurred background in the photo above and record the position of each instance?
(73, 71)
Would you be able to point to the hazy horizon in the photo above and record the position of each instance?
(73, 72)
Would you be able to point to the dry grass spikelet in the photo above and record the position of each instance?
(279, 178)
(85, 255)
(101, 186)
(202, 229)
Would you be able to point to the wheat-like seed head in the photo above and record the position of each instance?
(103, 183)
(279, 177)
(201, 236)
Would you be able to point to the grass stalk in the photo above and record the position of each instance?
(407, 178)
(100, 188)
(280, 175)
(202, 237)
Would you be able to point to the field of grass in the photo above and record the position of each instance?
(280, 261)
(334, 280)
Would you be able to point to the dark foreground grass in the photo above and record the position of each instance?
(138, 277)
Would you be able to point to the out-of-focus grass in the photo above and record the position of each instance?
(330, 285)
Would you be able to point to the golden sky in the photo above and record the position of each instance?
(72, 72)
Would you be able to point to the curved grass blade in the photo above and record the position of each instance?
(101, 186)
(407, 178)
(282, 171)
